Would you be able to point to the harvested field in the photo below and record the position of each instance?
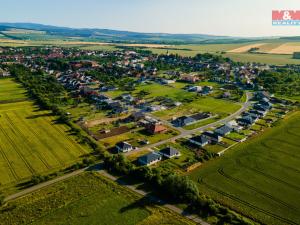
(287, 48)
(246, 48)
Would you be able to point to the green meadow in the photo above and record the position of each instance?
(86, 199)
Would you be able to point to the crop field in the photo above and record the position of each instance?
(200, 104)
(281, 55)
(31, 142)
(259, 178)
(11, 91)
(87, 199)
(246, 48)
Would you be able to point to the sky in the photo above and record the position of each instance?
(243, 18)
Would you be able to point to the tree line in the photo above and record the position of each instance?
(175, 188)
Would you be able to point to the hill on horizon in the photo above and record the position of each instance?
(115, 36)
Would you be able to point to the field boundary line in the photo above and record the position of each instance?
(17, 150)
(234, 198)
(222, 173)
(26, 142)
(42, 141)
(15, 175)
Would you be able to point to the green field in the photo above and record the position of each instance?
(155, 90)
(86, 199)
(135, 136)
(31, 140)
(10, 90)
(259, 178)
(202, 104)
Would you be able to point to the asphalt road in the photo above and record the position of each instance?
(185, 133)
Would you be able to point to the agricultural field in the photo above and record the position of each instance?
(259, 178)
(87, 199)
(277, 52)
(11, 91)
(32, 142)
(271, 52)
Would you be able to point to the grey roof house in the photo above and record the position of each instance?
(123, 147)
(199, 140)
(149, 159)
(169, 152)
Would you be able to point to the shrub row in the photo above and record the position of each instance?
(179, 189)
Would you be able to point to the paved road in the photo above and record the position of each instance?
(43, 185)
(99, 168)
(185, 133)
(154, 199)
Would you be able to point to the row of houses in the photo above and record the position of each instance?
(188, 120)
(154, 157)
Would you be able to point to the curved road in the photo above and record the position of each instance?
(185, 133)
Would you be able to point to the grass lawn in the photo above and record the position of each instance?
(215, 148)
(259, 178)
(32, 142)
(235, 136)
(87, 199)
(136, 135)
(200, 104)
(178, 162)
(202, 123)
(173, 91)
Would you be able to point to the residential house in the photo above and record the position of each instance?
(194, 89)
(154, 128)
(169, 152)
(207, 90)
(149, 159)
(212, 136)
(165, 81)
(223, 130)
(192, 78)
(136, 116)
(123, 147)
(234, 126)
(199, 140)
(183, 121)
(246, 120)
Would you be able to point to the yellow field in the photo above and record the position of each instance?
(246, 48)
(287, 48)
(31, 142)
